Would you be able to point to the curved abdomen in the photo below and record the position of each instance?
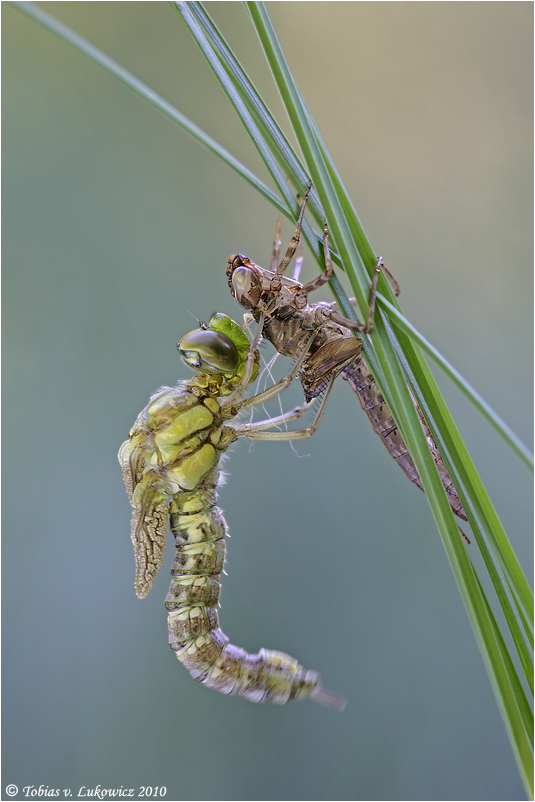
(194, 634)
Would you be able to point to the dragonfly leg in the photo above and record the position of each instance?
(292, 414)
(276, 246)
(254, 431)
(327, 273)
(298, 264)
(296, 236)
(367, 327)
(391, 280)
(247, 320)
(373, 294)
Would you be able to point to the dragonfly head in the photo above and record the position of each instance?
(220, 348)
(209, 352)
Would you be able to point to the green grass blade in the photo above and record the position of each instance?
(470, 485)
(511, 697)
(512, 702)
(356, 256)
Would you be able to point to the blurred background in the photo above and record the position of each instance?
(117, 226)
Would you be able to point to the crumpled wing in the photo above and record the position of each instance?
(149, 533)
(149, 518)
(133, 456)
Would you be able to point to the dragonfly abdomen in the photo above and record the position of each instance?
(201, 646)
(199, 530)
(362, 382)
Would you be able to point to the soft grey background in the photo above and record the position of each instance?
(116, 226)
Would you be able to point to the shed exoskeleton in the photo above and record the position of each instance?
(280, 305)
(170, 465)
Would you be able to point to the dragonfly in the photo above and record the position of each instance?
(170, 466)
(280, 305)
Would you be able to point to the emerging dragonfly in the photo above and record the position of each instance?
(171, 468)
(280, 305)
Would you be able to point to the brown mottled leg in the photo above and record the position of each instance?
(276, 245)
(296, 236)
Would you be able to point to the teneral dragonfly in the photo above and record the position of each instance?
(170, 465)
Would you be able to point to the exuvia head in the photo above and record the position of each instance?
(245, 286)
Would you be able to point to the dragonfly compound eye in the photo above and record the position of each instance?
(246, 287)
(209, 352)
